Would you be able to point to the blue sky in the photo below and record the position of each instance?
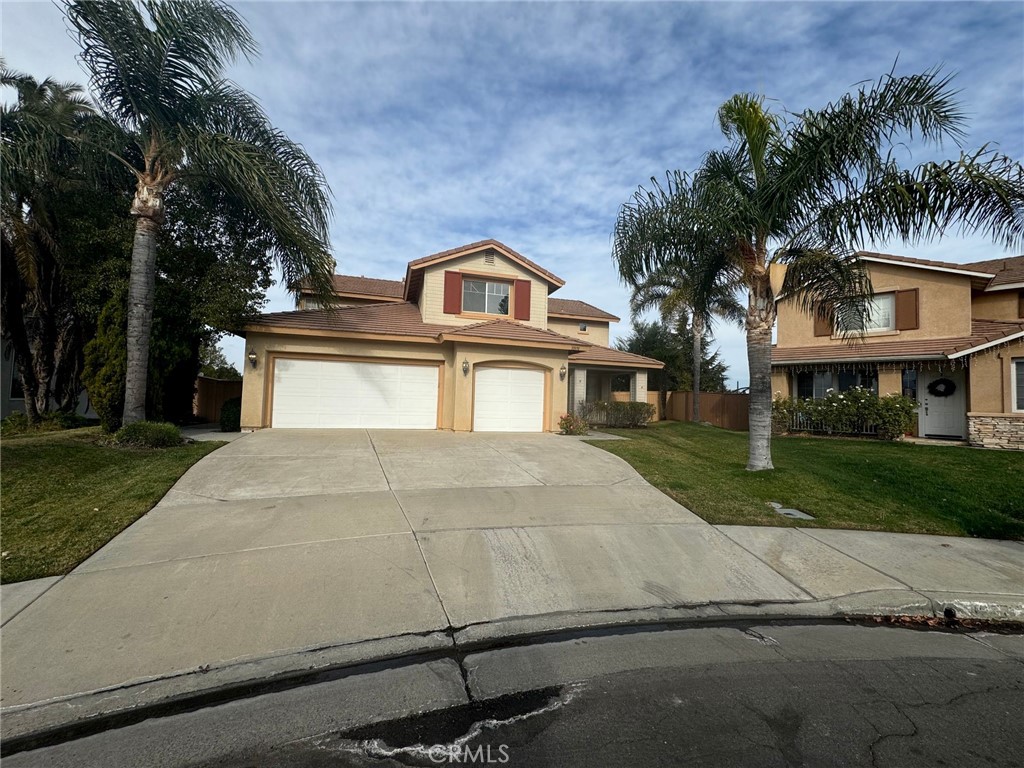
(439, 124)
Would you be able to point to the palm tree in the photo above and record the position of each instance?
(40, 164)
(691, 278)
(156, 70)
(792, 198)
(674, 292)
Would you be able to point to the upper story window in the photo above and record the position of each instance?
(583, 327)
(486, 296)
(881, 315)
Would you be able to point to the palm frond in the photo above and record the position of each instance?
(274, 177)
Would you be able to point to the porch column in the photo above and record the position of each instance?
(638, 386)
(578, 389)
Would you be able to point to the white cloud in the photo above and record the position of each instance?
(442, 123)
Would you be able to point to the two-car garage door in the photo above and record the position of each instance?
(332, 393)
(312, 393)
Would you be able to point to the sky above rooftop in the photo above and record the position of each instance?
(440, 124)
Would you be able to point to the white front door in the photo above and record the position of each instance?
(942, 415)
(508, 400)
(341, 394)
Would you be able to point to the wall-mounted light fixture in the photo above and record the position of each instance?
(252, 358)
(561, 372)
(465, 367)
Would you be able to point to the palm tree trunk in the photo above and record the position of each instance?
(698, 357)
(760, 318)
(148, 209)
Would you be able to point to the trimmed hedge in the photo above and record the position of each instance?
(231, 415)
(625, 415)
(148, 434)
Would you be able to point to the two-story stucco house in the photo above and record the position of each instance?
(949, 335)
(469, 340)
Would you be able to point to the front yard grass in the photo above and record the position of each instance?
(66, 494)
(861, 484)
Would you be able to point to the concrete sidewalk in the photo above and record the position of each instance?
(295, 550)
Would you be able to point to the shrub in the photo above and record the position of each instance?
(149, 434)
(573, 424)
(630, 415)
(15, 424)
(106, 362)
(231, 415)
(855, 411)
(53, 421)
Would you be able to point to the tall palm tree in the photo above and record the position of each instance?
(40, 164)
(796, 196)
(156, 69)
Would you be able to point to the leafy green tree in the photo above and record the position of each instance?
(157, 72)
(675, 347)
(793, 196)
(213, 363)
(44, 173)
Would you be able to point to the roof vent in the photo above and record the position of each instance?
(489, 258)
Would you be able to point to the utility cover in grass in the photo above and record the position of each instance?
(796, 514)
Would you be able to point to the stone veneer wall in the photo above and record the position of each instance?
(996, 430)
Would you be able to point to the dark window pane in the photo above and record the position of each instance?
(909, 386)
(805, 385)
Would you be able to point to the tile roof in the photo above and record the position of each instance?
(513, 331)
(479, 245)
(982, 332)
(598, 355)
(577, 308)
(403, 319)
(369, 286)
(1007, 270)
(391, 319)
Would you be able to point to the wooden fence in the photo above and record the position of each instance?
(210, 396)
(723, 409)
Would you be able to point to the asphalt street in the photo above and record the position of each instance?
(768, 695)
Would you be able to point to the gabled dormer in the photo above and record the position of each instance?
(478, 282)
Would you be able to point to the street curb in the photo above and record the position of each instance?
(30, 726)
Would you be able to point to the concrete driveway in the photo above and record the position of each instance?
(289, 541)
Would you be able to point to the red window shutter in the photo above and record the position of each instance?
(452, 293)
(522, 299)
(907, 314)
(822, 323)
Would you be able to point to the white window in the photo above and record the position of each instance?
(881, 315)
(1017, 375)
(485, 296)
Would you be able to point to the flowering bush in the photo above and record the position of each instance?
(571, 424)
(855, 411)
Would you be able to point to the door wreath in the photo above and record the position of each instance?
(942, 388)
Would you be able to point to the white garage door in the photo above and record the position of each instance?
(325, 393)
(508, 400)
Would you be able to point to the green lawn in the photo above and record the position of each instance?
(65, 495)
(868, 485)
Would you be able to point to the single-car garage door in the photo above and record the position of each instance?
(331, 393)
(508, 400)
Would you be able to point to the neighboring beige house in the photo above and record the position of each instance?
(469, 341)
(949, 335)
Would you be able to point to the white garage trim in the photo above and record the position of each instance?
(510, 399)
(319, 391)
